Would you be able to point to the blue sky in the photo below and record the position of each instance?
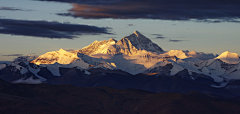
(173, 34)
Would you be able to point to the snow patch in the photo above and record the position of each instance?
(54, 69)
(29, 80)
(191, 59)
(223, 84)
(205, 70)
(23, 71)
(2, 66)
(87, 72)
(35, 71)
(176, 68)
(20, 68)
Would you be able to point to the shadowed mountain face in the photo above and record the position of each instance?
(43, 98)
(180, 83)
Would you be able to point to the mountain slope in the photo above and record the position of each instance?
(43, 98)
(103, 47)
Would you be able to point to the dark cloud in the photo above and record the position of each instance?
(221, 10)
(9, 8)
(177, 40)
(130, 24)
(110, 37)
(48, 29)
(158, 36)
(13, 55)
(12, 9)
(96, 2)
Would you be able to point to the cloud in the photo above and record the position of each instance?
(47, 29)
(9, 8)
(110, 37)
(12, 9)
(203, 10)
(99, 2)
(177, 40)
(158, 36)
(13, 55)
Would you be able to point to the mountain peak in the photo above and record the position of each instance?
(228, 54)
(112, 40)
(140, 42)
(229, 57)
(128, 45)
(61, 56)
(62, 50)
(137, 33)
(103, 47)
(178, 53)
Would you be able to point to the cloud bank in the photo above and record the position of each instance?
(158, 36)
(9, 8)
(12, 9)
(47, 29)
(13, 55)
(203, 10)
(177, 40)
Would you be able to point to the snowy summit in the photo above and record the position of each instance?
(61, 56)
(128, 45)
(229, 57)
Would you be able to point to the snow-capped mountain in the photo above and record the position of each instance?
(229, 57)
(139, 42)
(178, 53)
(133, 55)
(61, 56)
(129, 45)
(104, 47)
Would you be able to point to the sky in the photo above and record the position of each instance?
(34, 27)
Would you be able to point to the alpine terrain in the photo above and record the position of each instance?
(133, 62)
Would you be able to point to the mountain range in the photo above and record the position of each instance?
(133, 62)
